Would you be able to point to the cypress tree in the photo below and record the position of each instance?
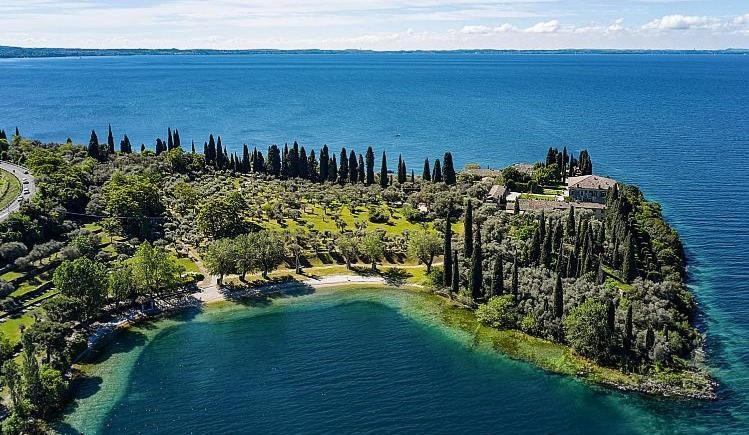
(515, 277)
(370, 166)
(177, 140)
(498, 279)
(285, 170)
(516, 208)
(413, 177)
(427, 174)
(169, 139)
(542, 226)
(629, 266)
(468, 229)
(561, 266)
(600, 275)
(558, 298)
(570, 226)
(303, 170)
(384, 171)
(615, 253)
(361, 172)
(546, 252)
(332, 170)
(649, 340)
(534, 250)
(353, 168)
(437, 172)
(18, 133)
(313, 167)
(273, 164)
(160, 148)
(324, 163)
(447, 169)
(294, 160)
(343, 172)
(93, 146)
(142, 148)
(110, 141)
(125, 146)
(3, 135)
(455, 284)
(210, 157)
(193, 147)
(610, 315)
(628, 335)
(447, 248)
(477, 272)
(402, 171)
(245, 159)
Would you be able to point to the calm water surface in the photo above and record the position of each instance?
(675, 125)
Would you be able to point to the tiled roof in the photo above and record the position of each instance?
(590, 182)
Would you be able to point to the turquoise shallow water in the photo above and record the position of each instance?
(363, 361)
(675, 125)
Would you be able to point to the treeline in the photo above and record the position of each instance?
(290, 162)
(566, 165)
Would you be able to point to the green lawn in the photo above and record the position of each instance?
(187, 263)
(10, 188)
(10, 328)
(11, 275)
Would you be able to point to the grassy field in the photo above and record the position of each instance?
(10, 188)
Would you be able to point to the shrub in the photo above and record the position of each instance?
(499, 312)
(586, 330)
(435, 277)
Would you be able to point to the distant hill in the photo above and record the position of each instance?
(21, 52)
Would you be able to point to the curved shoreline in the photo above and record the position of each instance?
(551, 357)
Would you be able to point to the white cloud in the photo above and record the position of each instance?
(682, 22)
(544, 27)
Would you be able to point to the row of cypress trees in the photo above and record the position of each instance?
(291, 162)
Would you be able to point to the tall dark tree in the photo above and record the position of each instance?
(110, 141)
(468, 229)
(448, 171)
(455, 284)
(477, 270)
(437, 172)
(324, 163)
(160, 147)
(93, 146)
(629, 265)
(628, 333)
(125, 146)
(177, 140)
(353, 168)
(169, 139)
(384, 171)
(402, 172)
(516, 207)
(313, 167)
(534, 249)
(427, 174)
(546, 252)
(370, 166)
(142, 148)
(303, 170)
(210, 157)
(245, 167)
(498, 278)
(610, 315)
(600, 275)
(193, 147)
(448, 247)
(343, 173)
(515, 278)
(332, 170)
(570, 225)
(273, 163)
(361, 175)
(558, 298)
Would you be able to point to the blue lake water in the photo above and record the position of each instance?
(674, 124)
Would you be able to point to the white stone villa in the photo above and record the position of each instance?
(589, 188)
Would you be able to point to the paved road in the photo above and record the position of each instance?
(30, 186)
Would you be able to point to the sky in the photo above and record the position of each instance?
(376, 24)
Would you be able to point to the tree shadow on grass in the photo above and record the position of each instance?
(396, 277)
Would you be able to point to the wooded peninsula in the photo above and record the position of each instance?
(567, 269)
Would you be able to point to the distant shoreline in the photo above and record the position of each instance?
(8, 52)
